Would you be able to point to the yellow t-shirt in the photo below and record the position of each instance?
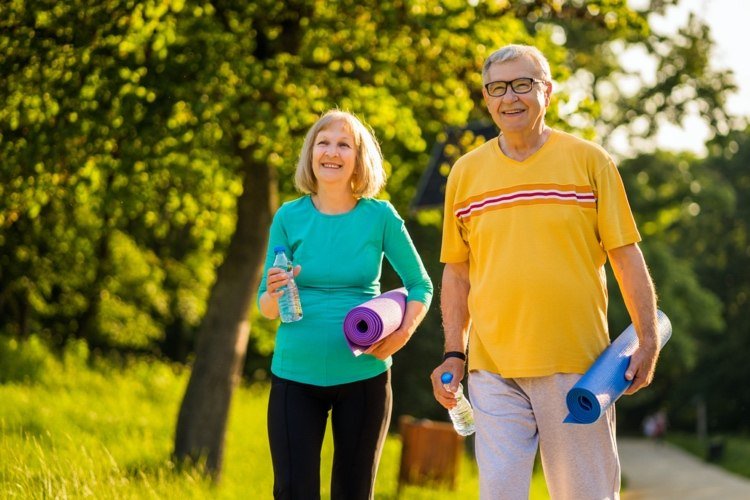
(535, 234)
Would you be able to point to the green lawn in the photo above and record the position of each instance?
(106, 432)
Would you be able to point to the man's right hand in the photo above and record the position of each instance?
(457, 368)
(454, 304)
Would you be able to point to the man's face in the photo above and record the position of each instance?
(514, 112)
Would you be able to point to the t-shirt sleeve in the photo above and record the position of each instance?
(401, 253)
(615, 219)
(454, 247)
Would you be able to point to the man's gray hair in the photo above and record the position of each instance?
(516, 51)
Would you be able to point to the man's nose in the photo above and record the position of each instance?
(510, 95)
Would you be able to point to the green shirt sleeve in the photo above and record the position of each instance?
(401, 253)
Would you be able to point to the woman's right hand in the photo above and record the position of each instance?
(277, 278)
(269, 301)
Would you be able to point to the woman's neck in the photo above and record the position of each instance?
(334, 202)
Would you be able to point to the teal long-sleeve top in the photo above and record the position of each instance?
(341, 257)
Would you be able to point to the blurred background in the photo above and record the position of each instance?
(144, 146)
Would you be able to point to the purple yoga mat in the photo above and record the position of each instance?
(374, 320)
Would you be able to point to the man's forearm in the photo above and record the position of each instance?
(637, 290)
(454, 304)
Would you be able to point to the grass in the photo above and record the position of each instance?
(106, 432)
(736, 456)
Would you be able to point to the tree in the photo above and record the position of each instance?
(109, 232)
(672, 196)
(722, 239)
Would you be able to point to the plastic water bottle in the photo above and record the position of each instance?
(290, 307)
(462, 414)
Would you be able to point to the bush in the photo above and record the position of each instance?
(26, 361)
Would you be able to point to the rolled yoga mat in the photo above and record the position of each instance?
(605, 381)
(374, 320)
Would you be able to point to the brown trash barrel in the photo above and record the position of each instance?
(430, 453)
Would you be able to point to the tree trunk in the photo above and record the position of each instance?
(223, 334)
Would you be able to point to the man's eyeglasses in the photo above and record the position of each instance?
(519, 86)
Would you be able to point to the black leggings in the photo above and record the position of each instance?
(297, 417)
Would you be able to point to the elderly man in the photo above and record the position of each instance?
(530, 219)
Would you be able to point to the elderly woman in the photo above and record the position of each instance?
(337, 233)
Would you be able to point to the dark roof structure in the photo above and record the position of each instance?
(459, 140)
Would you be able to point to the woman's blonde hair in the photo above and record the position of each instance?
(369, 175)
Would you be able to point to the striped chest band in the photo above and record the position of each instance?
(538, 194)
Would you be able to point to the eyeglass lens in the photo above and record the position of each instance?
(519, 86)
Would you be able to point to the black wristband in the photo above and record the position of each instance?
(454, 354)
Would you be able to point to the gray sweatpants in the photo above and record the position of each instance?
(514, 416)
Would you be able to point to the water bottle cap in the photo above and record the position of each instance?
(279, 249)
(446, 377)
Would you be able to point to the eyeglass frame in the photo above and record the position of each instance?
(509, 84)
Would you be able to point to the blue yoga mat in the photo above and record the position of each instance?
(605, 381)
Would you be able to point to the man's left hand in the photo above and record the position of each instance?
(641, 367)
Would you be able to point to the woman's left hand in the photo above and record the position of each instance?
(389, 345)
(415, 312)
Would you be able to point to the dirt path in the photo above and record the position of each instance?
(660, 471)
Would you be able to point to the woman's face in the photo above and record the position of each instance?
(334, 155)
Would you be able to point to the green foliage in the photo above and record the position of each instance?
(23, 361)
(694, 216)
(724, 265)
(666, 192)
(116, 205)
